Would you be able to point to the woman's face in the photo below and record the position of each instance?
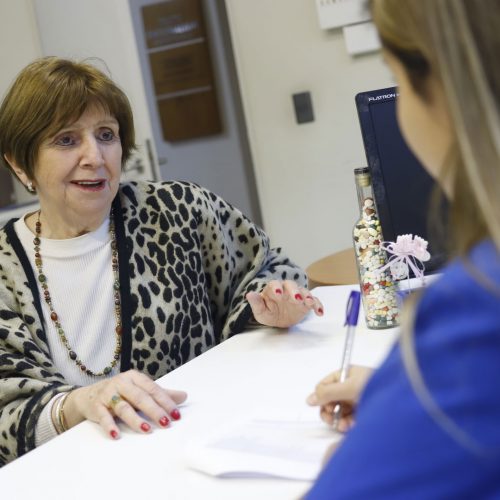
(77, 174)
(424, 121)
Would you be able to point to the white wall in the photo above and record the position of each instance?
(19, 40)
(304, 172)
(19, 45)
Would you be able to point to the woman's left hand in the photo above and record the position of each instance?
(283, 304)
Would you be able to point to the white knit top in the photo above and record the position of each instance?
(80, 281)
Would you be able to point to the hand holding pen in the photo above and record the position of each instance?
(351, 321)
(331, 392)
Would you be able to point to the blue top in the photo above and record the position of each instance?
(396, 449)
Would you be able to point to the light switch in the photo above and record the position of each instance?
(303, 107)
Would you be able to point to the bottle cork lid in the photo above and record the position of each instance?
(362, 176)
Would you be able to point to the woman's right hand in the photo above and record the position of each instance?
(123, 396)
(330, 391)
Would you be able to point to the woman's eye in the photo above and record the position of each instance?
(65, 140)
(106, 135)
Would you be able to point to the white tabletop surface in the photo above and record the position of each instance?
(263, 370)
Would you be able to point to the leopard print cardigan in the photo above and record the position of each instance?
(186, 260)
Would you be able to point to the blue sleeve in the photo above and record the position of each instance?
(396, 449)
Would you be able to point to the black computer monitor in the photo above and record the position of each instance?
(402, 188)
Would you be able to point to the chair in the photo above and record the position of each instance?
(336, 269)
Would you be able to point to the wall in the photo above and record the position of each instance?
(304, 172)
(19, 44)
(19, 40)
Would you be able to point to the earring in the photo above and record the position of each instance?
(30, 187)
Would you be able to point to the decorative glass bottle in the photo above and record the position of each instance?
(378, 290)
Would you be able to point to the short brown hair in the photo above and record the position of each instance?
(47, 95)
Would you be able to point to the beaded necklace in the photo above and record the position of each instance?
(55, 317)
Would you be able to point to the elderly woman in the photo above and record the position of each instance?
(109, 286)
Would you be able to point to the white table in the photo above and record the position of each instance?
(262, 369)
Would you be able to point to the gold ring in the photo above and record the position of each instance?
(115, 399)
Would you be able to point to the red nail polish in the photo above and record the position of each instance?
(113, 434)
(298, 296)
(320, 311)
(278, 291)
(164, 421)
(145, 427)
(175, 414)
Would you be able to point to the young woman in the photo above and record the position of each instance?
(427, 424)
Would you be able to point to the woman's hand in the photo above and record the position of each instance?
(282, 304)
(330, 391)
(123, 396)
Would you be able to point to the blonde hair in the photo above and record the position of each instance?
(457, 42)
(48, 94)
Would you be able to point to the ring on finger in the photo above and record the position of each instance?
(114, 401)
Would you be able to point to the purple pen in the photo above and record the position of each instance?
(351, 320)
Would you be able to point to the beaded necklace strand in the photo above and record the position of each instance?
(55, 317)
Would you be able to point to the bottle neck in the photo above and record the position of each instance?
(364, 192)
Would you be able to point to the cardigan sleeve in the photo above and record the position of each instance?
(27, 383)
(237, 258)
(28, 378)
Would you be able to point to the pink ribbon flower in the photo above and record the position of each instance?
(407, 252)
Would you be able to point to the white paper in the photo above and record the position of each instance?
(265, 447)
